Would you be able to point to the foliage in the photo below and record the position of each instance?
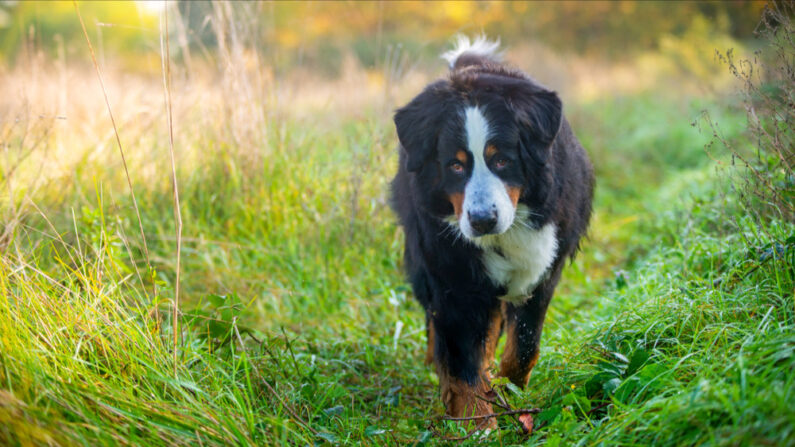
(51, 26)
(767, 182)
(311, 34)
(274, 272)
(692, 347)
(674, 325)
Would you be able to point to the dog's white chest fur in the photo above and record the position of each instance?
(519, 258)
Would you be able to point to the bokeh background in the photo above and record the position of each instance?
(294, 321)
(245, 77)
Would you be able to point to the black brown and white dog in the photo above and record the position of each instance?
(494, 193)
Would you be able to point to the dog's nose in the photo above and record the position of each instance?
(483, 221)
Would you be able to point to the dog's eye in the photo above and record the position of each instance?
(501, 163)
(457, 167)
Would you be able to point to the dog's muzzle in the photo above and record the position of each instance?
(483, 222)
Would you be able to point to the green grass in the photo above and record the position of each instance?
(674, 326)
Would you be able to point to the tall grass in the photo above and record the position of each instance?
(766, 182)
(297, 325)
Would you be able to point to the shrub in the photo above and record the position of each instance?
(765, 181)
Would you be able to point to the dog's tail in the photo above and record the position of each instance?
(479, 51)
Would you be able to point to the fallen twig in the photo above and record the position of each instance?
(503, 403)
(493, 415)
(498, 401)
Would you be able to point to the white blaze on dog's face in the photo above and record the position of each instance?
(489, 205)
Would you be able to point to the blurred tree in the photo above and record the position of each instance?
(314, 34)
(44, 24)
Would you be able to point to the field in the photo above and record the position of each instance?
(674, 326)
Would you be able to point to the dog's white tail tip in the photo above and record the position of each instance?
(480, 46)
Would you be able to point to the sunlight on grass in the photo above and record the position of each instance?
(673, 325)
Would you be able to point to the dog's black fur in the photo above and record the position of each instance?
(548, 164)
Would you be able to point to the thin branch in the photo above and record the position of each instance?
(500, 402)
(494, 415)
(503, 403)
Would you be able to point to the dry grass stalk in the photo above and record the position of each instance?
(166, 67)
(118, 141)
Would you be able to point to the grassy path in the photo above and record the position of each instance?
(673, 327)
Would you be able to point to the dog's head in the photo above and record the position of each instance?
(483, 136)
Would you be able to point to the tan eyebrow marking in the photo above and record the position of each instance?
(490, 150)
(462, 156)
(457, 199)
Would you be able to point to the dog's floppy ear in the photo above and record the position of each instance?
(418, 124)
(539, 113)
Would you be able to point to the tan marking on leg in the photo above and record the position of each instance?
(490, 150)
(457, 199)
(514, 192)
(431, 341)
(510, 365)
(462, 156)
(462, 399)
(490, 343)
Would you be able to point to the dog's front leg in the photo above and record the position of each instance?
(523, 325)
(463, 350)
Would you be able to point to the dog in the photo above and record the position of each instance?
(493, 192)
